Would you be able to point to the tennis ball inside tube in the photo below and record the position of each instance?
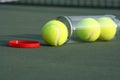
(108, 28)
(55, 33)
(88, 29)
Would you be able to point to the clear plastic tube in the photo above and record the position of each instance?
(72, 21)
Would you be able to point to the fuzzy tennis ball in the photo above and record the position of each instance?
(55, 33)
(88, 29)
(108, 28)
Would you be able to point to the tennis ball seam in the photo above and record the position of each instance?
(58, 37)
(92, 33)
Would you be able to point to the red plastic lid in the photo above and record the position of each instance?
(24, 44)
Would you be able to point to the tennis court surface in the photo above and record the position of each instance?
(99, 60)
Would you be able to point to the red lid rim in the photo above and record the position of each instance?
(24, 43)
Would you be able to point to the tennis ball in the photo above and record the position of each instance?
(55, 33)
(108, 28)
(88, 29)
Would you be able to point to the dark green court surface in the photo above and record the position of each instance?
(73, 61)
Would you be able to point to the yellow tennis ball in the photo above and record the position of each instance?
(88, 29)
(108, 28)
(55, 33)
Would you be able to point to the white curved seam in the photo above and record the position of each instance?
(92, 33)
(58, 36)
